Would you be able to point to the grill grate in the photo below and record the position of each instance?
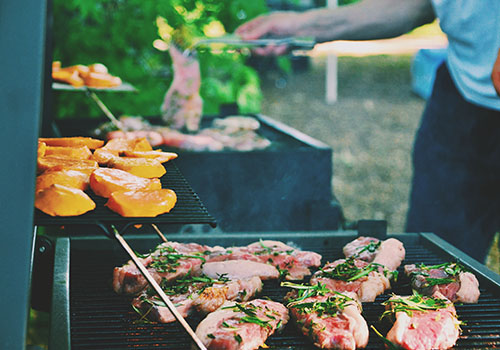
(100, 319)
(188, 210)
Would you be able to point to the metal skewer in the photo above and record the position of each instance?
(103, 108)
(117, 124)
(159, 233)
(158, 289)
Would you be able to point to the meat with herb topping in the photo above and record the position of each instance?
(450, 279)
(242, 326)
(422, 323)
(202, 293)
(367, 280)
(389, 253)
(292, 263)
(331, 319)
(169, 261)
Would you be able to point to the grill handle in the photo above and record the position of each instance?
(157, 288)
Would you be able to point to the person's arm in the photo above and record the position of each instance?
(495, 74)
(364, 20)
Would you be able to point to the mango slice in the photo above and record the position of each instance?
(76, 141)
(59, 200)
(105, 181)
(66, 177)
(143, 167)
(143, 203)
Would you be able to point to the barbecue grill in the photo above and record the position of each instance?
(85, 312)
(89, 315)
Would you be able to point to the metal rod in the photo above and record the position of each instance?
(103, 108)
(159, 233)
(158, 289)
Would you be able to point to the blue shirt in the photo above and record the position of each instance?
(473, 30)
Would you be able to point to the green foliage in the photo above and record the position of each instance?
(121, 35)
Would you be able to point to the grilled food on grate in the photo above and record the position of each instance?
(240, 269)
(244, 326)
(389, 253)
(293, 264)
(422, 323)
(59, 200)
(367, 280)
(331, 319)
(169, 261)
(450, 279)
(202, 293)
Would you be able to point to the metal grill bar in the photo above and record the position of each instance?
(100, 319)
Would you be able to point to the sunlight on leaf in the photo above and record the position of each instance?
(214, 29)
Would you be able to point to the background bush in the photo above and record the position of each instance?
(121, 35)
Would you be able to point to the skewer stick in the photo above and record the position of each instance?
(103, 108)
(158, 289)
(162, 236)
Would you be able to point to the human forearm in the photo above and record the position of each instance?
(369, 19)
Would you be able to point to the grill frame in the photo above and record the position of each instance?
(69, 248)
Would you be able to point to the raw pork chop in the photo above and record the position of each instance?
(332, 320)
(169, 261)
(367, 280)
(450, 279)
(201, 293)
(422, 323)
(242, 326)
(389, 253)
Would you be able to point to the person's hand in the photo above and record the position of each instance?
(495, 74)
(274, 25)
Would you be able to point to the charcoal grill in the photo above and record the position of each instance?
(87, 314)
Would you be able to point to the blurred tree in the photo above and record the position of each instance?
(131, 37)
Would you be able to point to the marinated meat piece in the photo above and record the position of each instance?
(142, 203)
(69, 178)
(182, 106)
(59, 200)
(121, 145)
(60, 163)
(332, 320)
(450, 279)
(105, 181)
(240, 269)
(367, 280)
(144, 167)
(42, 147)
(76, 141)
(162, 157)
(201, 293)
(422, 323)
(104, 156)
(169, 261)
(153, 137)
(389, 253)
(293, 264)
(82, 152)
(242, 326)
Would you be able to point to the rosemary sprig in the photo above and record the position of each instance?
(250, 312)
(348, 271)
(451, 269)
(390, 345)
(416, 302)
(370, 247)
(334, 303)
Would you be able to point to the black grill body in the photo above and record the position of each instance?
(258, 190)
(87, 314)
